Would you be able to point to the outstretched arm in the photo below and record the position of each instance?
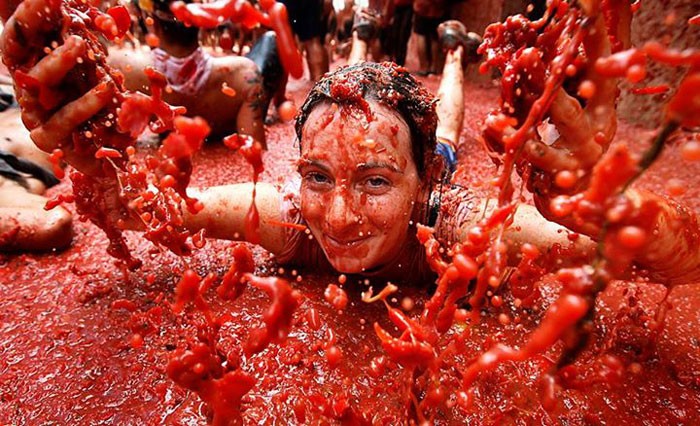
(531, 228)
(656, 233)
(225, 210)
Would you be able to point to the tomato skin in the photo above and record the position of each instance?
(122, 19)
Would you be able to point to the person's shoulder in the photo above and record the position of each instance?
(452, 206)
(137, 57)
(227, 64)
(238, 72)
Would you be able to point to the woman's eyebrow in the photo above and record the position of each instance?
(312, 163)
(378, 165)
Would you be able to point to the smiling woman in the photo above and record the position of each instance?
(367, 164)
(367, 138)
(369, 172)
(359, 185)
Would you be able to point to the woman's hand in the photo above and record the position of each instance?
(561, 155)
(63, 91)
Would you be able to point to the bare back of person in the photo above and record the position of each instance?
(231, 100)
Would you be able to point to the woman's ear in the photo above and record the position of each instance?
(434, 171)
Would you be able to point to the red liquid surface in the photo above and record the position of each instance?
(80, 342)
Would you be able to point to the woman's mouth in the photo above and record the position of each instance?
(338, 244)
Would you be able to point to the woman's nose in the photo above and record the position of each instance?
(340, 211)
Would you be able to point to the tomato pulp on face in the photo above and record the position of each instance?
(359, 185)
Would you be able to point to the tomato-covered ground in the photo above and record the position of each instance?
(82, 342)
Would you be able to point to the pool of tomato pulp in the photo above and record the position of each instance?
(83, 341)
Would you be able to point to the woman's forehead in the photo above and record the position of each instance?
(329, 122)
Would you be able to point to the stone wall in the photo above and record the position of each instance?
(666, 21)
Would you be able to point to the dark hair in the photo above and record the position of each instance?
(392, 86)
(173, 30)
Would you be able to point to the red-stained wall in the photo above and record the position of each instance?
(666, 21)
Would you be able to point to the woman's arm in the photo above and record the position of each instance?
(672, 251)
(224, 214)
(225, 210)
(530, 227)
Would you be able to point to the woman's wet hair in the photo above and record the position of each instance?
(392, 86)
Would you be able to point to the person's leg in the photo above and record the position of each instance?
(365, 33)
(402, 24)
(422, 51)
(329, 39)
(265, 54)
(450, 106)
(306, 20)
(421, 30)
(317, 58)
(280, 95)
(435, 54)
(358, 51)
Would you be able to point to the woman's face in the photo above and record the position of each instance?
(359, 184)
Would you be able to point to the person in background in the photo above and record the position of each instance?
(231, 92)
(399, 14)
(306, 19)
(428, 14)
(341, 38)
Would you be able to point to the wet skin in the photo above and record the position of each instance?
(359, 185)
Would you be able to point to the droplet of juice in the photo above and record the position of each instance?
(565, 179)
(136, 341)
(636, 73)
(632, 237)
(675, 187)
(152, 40)
(691, 151)
(334, 355)
(228, 91)
(586, 89)
(287, 110)
(561, 206)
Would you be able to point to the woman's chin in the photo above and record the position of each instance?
(348, 265)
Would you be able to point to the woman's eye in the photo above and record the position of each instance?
(377, 183)
(315, 178)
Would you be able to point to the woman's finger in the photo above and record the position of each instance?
(60, 126)
(29, 23)
(549, 159)
(52, 68)
(570, 120)
(577, 136)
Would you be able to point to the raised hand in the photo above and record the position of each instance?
(67, 94)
